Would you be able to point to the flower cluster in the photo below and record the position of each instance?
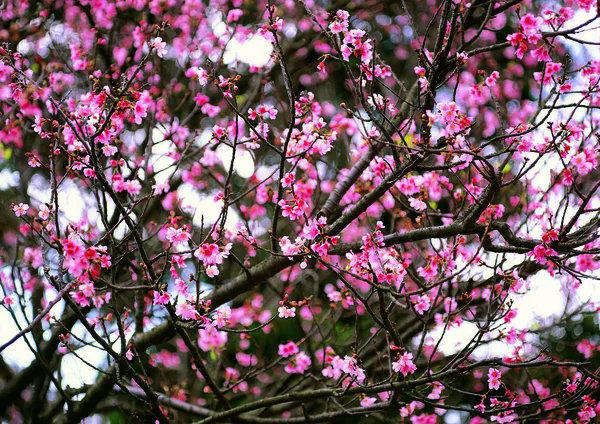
(337, 366)
(404, 364)
(211, 255)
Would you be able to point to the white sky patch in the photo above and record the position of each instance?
(9, 179)
(244, 163)
(544, 300)
(76, 373)
(245, 168)
(73, 202)
(590, 35)
(159, 158)
(18, 353)
(231, 53)
(203, 208)
(256, 51)
(204, 138)
(454, 339)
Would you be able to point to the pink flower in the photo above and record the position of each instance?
(565, 88)
(20, 209)
(278, 24)
(186, 311)
(287, 349)
(422, 304)
(140, 111)
(541, 253)
(211, 271)
(313, 228)
(491, 80)
(285, 312)
(223, 317)
(177, 236)
(129, 354)
(494, 376)
(428, 272)
(263, 112)
(340, 22)
(550, 235)
(109, 150)
(288, 179)
(199, 73)
(38, 125)
(462, 58)
(161, 298)
(234, 15)
(417, 204)
(8, 300)
(298, 364)
(293, 209)
(420, 71)
(246, 359)
(346, 52)
(350, 367)
(510, 315)
(530, 23)
(132, 187)
(337, 27)
(581, 163)
(181, 286)
(63, 349)
(504, 417)
(342, 15)
(159, 45)
(517, 40)
(44, 212)
(437, 390)
(210, 338)
(290, 249)
(586, 414)
(210, 254)
(586, 348)
(368, 401)
(571, 386)
(404, 364)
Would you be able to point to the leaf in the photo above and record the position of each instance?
(5, 153)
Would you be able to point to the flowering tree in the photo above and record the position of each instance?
(298, 211)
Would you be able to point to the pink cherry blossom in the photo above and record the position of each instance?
(187, 311)
(298, 364)
(161, 298)
(494, 378)
(404, 364)
(288, 349)
(422, 304)
(288, 179)
(20, 209)
(285, 312)
(177, 236)
(160, 46)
